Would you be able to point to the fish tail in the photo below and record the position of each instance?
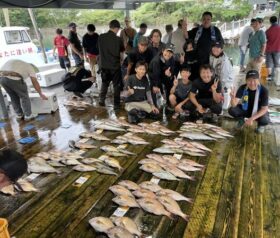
(185, 217)
(192, 178)
(170, 215)
(190, 200)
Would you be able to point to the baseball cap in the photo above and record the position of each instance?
(252, 74)
(143, 40)
(170, 47)
(72, 24)
(114, 24)
(217, 44)
(12, 164)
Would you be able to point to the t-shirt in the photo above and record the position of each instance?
(90, 43)
(273, 39)
(182, 90)
(140, 86)
(256, 42)
(190, 60)
(24, 69)
(110, 47)
(134, 56)
(263, 98)
(203, 47)
(156, 50)
(73, 38)
(203, 90)
(127, 36)
(61, 43)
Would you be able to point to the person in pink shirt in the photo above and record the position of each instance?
(61, 43)
(273, 50)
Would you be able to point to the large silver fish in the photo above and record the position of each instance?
(177, 172)
(196, 136)
(173, 194)
(39, 165)
(151, 168)
(172, 206)
(143, 193)
(129, 184)
(125, 201)
(119, 232)
(120, 190)
(8, 190)
(128, 224)
(83, 168)
(149, 185)
(165, 175)
(153, 206)
(101, 224)
(166, 150)
(25, 186)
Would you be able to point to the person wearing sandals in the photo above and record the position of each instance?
(180, 91)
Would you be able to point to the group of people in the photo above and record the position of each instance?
(263, 45)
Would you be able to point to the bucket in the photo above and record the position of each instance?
(4, 228)
(264, 74)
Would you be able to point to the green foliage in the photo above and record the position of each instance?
(150, 13)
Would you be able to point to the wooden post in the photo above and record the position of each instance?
(30, 11)
(6, 16)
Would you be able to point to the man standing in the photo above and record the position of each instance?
(178, 38)
(203, 36)
(110, 49)
(13, 75)
(61, 43)
(273, 50)
(243, 43)
(250, 103)
(257, 44)
(142, 31)
(167, 37)
(90, 44)
(75, 43)
(127, 35)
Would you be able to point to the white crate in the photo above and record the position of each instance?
(40, 106)
(50, 77)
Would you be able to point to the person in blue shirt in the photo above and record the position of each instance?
(142, 31)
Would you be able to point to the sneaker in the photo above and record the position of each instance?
(78, 94)
(132, 116)
(175, 115)
(260, 129)
(19, 116)
(30, 117)
(142, 114)
(240, 124)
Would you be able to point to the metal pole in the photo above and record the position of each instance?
(30, 11)
(6, 16)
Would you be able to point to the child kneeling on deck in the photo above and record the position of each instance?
(250, 103)
(205, 95)
(180, 91)
(139, 102)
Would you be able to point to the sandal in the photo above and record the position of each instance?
(175, 115)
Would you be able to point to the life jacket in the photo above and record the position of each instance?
(199, 33)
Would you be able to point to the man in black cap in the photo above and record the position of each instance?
(111, 48)
(250, 103)
(12, 167)
(161, 72)
(75, 43)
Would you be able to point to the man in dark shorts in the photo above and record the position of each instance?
(139, 102)
(205, 95)
(250, 103)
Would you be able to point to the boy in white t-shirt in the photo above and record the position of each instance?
(13, 76)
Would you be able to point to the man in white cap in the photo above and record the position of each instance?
(13, 76)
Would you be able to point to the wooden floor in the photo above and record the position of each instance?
(237, 195)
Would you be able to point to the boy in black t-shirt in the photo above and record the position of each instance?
(139, 100)
(179, 93)
(205, 95)
(250, 103)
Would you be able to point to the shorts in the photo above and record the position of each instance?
(273, 59)
(178, 99)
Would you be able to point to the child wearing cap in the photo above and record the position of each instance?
(222, 66)
(250, 103)
(139, 101)
(12, 167)
(180, 91)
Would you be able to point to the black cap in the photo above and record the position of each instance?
(170, 47)
(12, 164)
(252, 74)
(114, 24)
(217, 44)
(72, 24)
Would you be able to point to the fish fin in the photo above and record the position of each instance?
(170, 215)
(192, 178)
(186, 217)
(190, 200)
